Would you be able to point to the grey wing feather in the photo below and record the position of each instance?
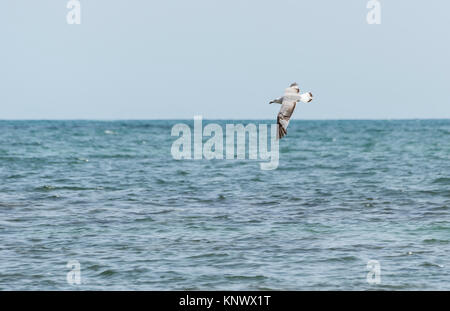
(282, 123)
(277, 101)
(289, 101)
(287, 108)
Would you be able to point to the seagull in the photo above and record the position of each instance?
(288, 102)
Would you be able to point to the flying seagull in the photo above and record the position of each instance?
(288, 101)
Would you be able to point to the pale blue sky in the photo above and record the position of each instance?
(142, 59)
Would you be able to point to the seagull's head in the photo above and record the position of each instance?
(295, 86)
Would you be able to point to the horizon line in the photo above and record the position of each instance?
(222, 119)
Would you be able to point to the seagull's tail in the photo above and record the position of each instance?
(306, 97)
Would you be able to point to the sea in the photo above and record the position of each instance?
(103, 205)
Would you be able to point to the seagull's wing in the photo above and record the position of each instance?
(282, 122)
(287, 108)
(277, 101)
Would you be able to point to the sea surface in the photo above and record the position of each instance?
(109, 195)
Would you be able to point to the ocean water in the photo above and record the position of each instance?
(110, 196)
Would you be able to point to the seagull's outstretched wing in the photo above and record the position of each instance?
(277, 101)
(290, 99)
(283, 122)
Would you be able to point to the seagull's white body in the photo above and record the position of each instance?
(288, 103)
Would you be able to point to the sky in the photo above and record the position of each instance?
(175, 59)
